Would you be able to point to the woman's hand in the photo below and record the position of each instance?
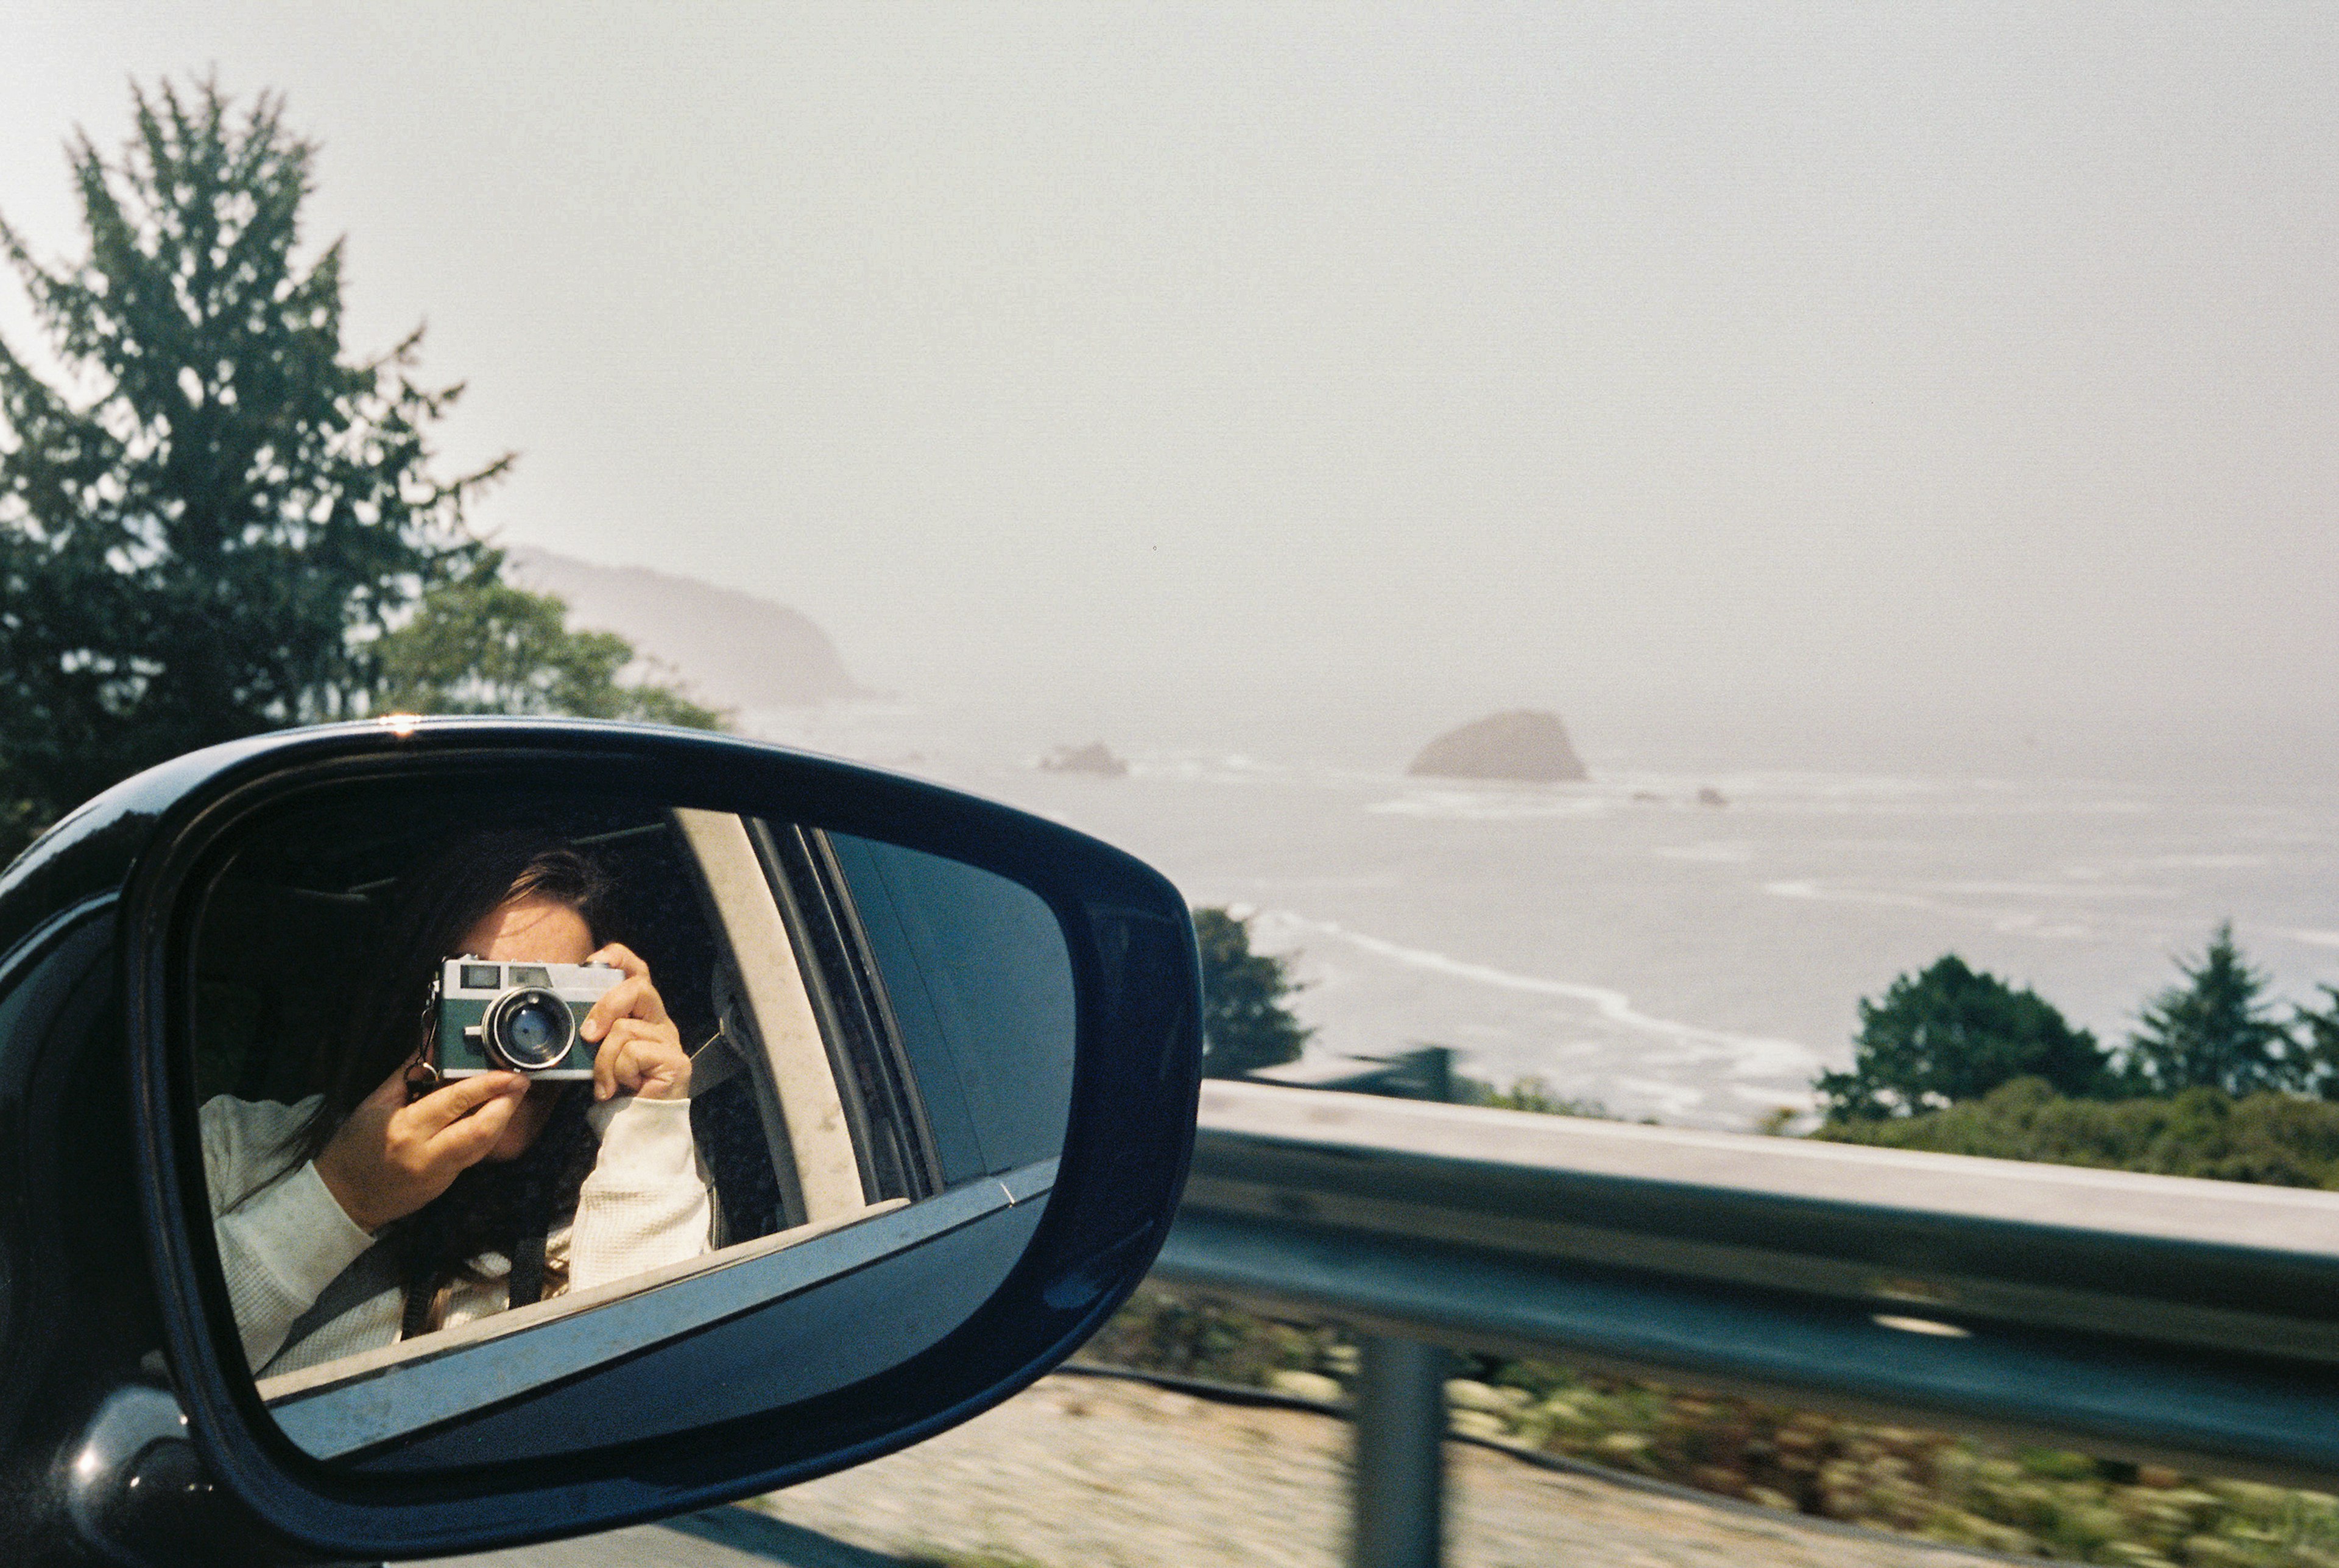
(640, 1049)
(390, 1158)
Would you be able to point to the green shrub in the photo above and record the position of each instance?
(2276, 1139)
(1246, 1024)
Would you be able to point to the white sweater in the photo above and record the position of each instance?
(644, 1204)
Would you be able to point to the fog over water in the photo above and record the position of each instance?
(1946, 395)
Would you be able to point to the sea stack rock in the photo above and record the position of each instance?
(1523, 745)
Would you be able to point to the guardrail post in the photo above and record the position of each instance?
(1398, 1511)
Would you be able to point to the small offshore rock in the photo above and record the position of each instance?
(1095, 758)
(1709, 795)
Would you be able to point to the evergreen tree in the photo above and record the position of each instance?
(480, 645)
(2215, 1031)
(1245, 1025)
(2317, 1043)
(1953, 1034)
(207, 521)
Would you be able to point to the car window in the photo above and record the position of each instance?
(979, 981)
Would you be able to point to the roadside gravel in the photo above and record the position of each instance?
(1091, 1473)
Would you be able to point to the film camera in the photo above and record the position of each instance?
(517, 1017)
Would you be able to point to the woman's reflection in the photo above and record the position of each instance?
(369, 1212)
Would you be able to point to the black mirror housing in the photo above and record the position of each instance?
(143, 850)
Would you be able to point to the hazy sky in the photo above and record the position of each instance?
(1820, 369)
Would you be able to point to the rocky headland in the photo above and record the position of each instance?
(730, 649)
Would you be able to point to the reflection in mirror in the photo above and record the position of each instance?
(604, 1071)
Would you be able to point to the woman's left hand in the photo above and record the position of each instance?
(640, 1049)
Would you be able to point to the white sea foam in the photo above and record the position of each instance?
(1665, 1099)
(2050, 890)
(1749, 1055)
(1864, 794)
(1211, 767)
(2012, 921)
(1473, 805)
(1713, 854)
(1805, 888)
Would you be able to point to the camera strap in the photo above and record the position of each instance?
(527, 1268)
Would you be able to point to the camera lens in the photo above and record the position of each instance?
(529, 1030)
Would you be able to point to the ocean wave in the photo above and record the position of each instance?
(1211, 767)
(1734, 853)
(1806, 889)
(2007, 922)
(1921, 895)
(1478, 805)
(2051, 889)
(1750, 1055)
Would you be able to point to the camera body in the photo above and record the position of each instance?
(502, 1017)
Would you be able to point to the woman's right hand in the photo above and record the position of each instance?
(390, 1158)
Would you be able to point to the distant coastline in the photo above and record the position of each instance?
(729, 649)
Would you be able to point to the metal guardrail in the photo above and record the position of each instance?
(2161, 1318)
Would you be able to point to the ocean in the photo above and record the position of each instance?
(1625, 942)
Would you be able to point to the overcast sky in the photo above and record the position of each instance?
(1815, 368)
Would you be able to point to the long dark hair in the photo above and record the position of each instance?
(494, 1205)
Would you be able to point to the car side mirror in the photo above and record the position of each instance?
(542, 1126)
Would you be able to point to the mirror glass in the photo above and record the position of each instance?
(492, 1090)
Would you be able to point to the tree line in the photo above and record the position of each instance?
(1952, 1034)
(213, 519)
(2215, 1080)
